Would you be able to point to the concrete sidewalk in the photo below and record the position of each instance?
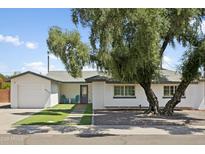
(108, 129)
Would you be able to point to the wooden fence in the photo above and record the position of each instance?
(4, 95)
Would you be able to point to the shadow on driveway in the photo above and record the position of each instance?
(181, 123)
(5, 106)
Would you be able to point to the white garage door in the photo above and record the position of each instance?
(31, 96)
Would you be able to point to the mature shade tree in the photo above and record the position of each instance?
(192, 61)
(69, 48)
(126, 44)
(129, 43)
(186, 29)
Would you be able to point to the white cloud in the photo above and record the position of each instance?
(90, 68)
(167, 63)
(31, 45)
(16, 41)
(38, 67)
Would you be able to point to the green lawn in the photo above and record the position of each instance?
(51, 116)
(87, 117)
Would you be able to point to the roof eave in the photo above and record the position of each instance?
(33, 73)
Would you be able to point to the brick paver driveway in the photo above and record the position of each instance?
(10, 116)
(137, 118)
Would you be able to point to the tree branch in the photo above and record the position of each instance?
(164, 45)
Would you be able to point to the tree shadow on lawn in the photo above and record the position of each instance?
(50, 116)
(45, 112)
(24, 113)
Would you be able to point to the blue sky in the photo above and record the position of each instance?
(23, 34)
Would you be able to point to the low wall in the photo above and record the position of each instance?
(4, 95)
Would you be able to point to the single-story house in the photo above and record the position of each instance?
(32, 90)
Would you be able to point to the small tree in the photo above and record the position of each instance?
(69, 48)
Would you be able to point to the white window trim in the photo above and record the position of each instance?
(170, 95)
(124, 96)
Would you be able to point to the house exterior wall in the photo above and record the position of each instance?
(54, 96)
(200, 96)
(70, 90)
(28, 81)
(98, 95)
(103, 96)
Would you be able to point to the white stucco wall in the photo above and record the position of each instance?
(199, 96)
(103, 96)
(109, 101)
(22, 85)
(54, 96)
(98, 96)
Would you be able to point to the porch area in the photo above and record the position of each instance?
(75, 93)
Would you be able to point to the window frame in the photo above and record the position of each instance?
(125, 93)
(171, 91)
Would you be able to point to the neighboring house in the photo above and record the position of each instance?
(31, 90)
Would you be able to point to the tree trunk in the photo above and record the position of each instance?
(176, 99)
(151, 98)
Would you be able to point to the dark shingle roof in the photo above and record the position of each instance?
(64, 76)
(166, 76)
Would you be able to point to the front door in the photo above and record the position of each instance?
(83, 93)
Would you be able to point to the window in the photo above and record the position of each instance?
(124, 91)
(166, 90)
(169, 91)
(119, 91)
(129, 91)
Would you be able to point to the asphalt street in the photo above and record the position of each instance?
(64, 139)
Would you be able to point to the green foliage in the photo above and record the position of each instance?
(69, 48)
(193, 59)
(2, 77)
(3, 84)
(6, 85)
(184, 26)
(129, 43)
(129, 40)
